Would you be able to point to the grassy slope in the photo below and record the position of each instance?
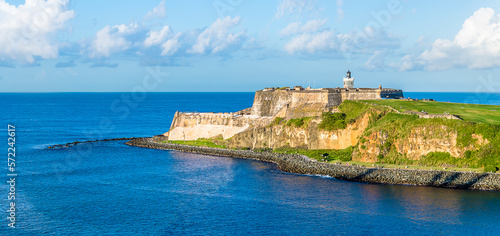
(199, 142)
(488, 114)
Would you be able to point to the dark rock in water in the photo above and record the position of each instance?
(90, 141)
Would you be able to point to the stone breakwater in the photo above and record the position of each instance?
(66, 145)
(303, 165)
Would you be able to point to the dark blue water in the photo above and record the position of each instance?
(473, 98)
(111, 188)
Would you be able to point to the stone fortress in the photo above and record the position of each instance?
(270, 103)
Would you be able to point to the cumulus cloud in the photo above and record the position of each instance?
(474, 46)
(112, 39)
(159, 11)
(290, 6)
(314, 38)
(324, 41)
(219, 37)
(297, 27)
(157, 37)
(295, 7)
(29, 30)
(171, 46)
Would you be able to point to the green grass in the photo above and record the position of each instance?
(299, 122)
(320, 154)
(332, 121)
(488, 114)
(353, 110)
(199, 142)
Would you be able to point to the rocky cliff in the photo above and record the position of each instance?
(309, 136)
(191, 126)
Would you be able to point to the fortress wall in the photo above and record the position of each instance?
(354, 94)
(309, 97)
(334, 99)
(268, 103)
(391, 93)
(192, 126)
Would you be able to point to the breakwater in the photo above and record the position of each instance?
(301, 164)
(66, 145)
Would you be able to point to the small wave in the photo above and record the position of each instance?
(40, 146)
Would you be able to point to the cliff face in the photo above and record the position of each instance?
(419, 142)
(191, 126)
(310, 136)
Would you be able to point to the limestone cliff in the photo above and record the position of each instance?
(418, 143)
(191, 126)
(309, 136)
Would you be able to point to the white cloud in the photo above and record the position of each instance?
(171, 45)
(290, 7)
(111, 39)
(28, 31)
(324, 41)
(340, 11)
(157, 37)
(314, 38)
(218, 37)
(376, 61)
(158, 12)
(292, 28)
(476, 45)
(309, 27)
(296, 8)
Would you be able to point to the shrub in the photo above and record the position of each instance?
(332, 121)
(490, 168)
(299, 122)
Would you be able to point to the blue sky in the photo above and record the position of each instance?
(243, 45)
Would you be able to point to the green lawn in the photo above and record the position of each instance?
(488, 114)
(199, 143)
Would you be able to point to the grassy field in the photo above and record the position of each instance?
(199, 143)
(488, 114)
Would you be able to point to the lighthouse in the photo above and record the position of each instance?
(349, 81)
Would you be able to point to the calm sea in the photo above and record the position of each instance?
(110, 188)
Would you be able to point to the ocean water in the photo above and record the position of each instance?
(113, 189)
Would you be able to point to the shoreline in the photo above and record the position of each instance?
(300, 164)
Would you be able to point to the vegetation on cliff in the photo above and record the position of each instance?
(480, 140)
(320, 154)
(332, 121)
(299, 122)
(488, 114)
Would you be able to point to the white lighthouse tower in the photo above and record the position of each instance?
(349, 81)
